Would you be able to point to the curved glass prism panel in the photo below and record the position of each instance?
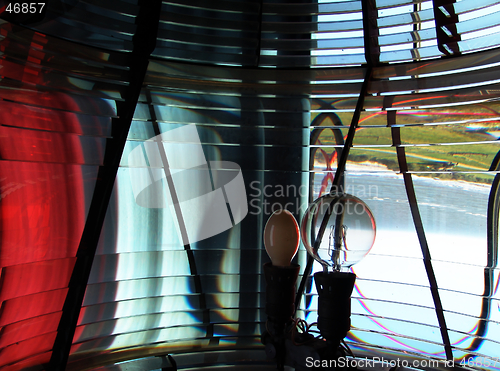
(55, 120)
(246, 109)
(164, 284)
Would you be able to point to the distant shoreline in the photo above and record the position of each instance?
(374, 167)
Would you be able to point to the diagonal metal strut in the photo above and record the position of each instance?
(144, 42)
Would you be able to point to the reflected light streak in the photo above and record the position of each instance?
(365, 307)
(330, 162)
(358, 339)
(228, 300)
(496, 289)
(133, 289)
(162, 320)
(158, 337)
(225, 328)
(430, 114)
(466, 337)
(230, 264)
(190, 99)
(228, 342)
(380, 325)
(168, 303)
(397, 104)
(230, 261)
(141, 265)
(449, 71)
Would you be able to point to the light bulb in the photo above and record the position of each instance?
(281, 237)
(349, 231)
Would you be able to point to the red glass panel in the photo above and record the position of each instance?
(26, 329)
(42, 146)
(25, 349)
(26, 279)
(42, 213)
(39, 359)
(28, 116)
(19, 72)
(25, 93)
(31, 306)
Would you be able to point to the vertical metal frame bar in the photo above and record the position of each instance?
(371, 32)
(419, 227)
(446, 26)
(492, 256)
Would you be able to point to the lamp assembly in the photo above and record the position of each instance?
(338, 230)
